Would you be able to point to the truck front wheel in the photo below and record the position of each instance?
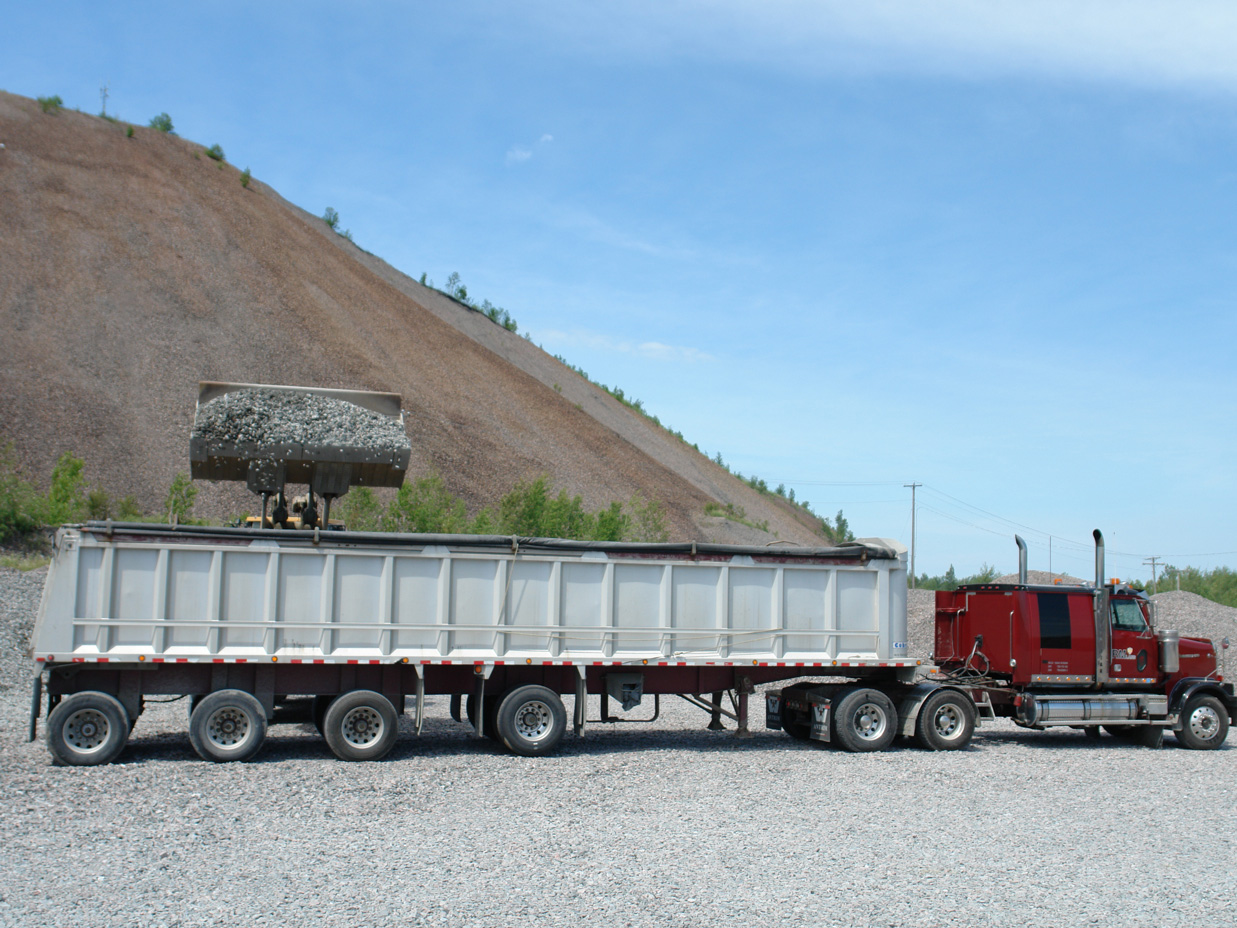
(1204, 723)
(864, 720)
(946, 722)
(87, 728)
(531, 720)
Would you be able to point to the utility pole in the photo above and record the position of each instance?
(912, 485)
(1050, 555)
(1151, 561)
(103, 96)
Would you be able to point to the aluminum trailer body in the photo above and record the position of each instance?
(235, 618)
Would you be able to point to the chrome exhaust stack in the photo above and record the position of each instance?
(1103, 627)
(1022, 560)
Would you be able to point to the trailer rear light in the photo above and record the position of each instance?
(1018, 700)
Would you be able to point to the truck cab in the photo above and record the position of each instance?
(1082, 655)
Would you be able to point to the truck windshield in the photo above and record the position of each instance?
(1126, 614)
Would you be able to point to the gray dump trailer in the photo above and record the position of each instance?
(370, 624)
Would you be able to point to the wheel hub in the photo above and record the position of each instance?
(1204, 722)
(869, 722)
(362, 726)
(947, 721)
(227, 727)
(533, 721)
(86, 730)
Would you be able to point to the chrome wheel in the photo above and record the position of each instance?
(1204, 722)
(869, 722)
(533, 720)
(362, 726)
(947, 720)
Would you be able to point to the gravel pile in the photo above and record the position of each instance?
(266, 417)
(632, 825)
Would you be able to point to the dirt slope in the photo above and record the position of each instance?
(132, 268)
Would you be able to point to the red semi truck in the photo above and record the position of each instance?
(1086, 657)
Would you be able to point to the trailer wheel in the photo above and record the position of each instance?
(1204, 723)
(87, 729)
(361, 725)
(946, 722)
(227, 725)
(864, 720)
(531, 720)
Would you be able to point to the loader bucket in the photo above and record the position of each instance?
(269, 435)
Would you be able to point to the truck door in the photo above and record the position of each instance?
(1066, 633)
(1135, 652)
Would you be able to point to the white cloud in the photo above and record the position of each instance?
(520, 153)
(654, 351)
(1144, 42)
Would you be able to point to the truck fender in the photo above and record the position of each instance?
(912, 701)
(1193, 686)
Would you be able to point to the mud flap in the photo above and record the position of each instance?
(36, 707)
(820, 721)
(773, 711)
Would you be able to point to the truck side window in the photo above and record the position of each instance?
(1054, 620)
(1126, 614)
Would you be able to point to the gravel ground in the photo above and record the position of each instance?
(633, 825)
(266, 417)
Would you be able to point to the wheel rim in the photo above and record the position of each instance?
(362, 726)
(228, 728)
(868, 721)
(86, 731)
(534, 720)
(1204, 723)
(948, 722)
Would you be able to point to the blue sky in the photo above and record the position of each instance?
(983, 246)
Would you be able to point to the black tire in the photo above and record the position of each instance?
(361, 725)
(531, 720)
(1204, 723)
(228, 725)
(864, 720)
(193, 704)
(321, 704)
(946, 722)
(792, 724)
(490, 717)
(86, 729)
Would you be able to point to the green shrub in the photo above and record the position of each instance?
(99, 504)
(163, 123)
(130, 511)
(129, 132)
(178, 505)
(425, 505)
(17, 498)
(50, 104)
(66, 497)
(215, 152)
(360, 510)
(331, 218)
(245, 176)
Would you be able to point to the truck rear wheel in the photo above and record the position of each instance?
(864, 720)
(1204, 723)
(531, 720)
(489, 714)
(946, 722)
(87, 729)
(227, 725)
(361, 725)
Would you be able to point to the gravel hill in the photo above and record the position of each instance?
(132, 268)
